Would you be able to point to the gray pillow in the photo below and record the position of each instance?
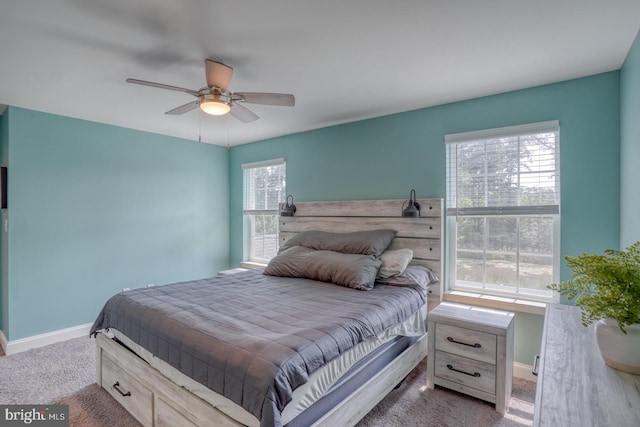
(394, 262)
(414, 275)
(350, 270)
(372, 242)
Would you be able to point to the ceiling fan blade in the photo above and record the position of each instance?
(183, 108)
(242, 113)
(218, 74)
(162, 86)
(281, 99)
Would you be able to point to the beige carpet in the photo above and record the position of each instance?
(46, 374)
(67, 369)
(413, 405)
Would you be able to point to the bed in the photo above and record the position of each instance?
(319, 353)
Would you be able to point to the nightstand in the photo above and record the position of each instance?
(471, 351)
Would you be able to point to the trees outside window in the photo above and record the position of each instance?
(264, 190)
(503, 210)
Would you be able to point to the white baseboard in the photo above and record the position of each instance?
(24, 344)
(523, 371)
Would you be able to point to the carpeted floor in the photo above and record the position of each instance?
(413, 405)
(65, 373)
(46, 374)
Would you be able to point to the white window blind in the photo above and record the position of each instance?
(264, 186)
(506, 171)
(503, 209)
(264, 190)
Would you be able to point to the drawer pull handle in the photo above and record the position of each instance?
(123, 394)
(475, 374)
(536, 363)
(476, 345)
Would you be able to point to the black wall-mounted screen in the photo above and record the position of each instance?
(3, 187)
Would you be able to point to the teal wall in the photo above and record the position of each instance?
(527, 337)
(94, 208)
(630, 147)
(4, 291)
(388, 156)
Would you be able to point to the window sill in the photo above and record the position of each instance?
(492, 301)
(252, 265)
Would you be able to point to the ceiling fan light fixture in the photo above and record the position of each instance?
(214, 107)
(216, 104)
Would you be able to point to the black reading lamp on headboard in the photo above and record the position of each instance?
(288, 209)
(413, 210)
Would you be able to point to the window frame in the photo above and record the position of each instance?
(250, 214)
(504, 211)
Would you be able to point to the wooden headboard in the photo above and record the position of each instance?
(423, 235)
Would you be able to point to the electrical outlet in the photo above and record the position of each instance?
(126, 289)
(150, 285)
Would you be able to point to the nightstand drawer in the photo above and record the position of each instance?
(466, 342)
(467, 372)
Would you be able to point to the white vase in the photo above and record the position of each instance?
(620, 351)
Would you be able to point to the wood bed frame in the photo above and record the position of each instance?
(155, 400)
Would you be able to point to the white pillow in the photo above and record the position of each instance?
(394, 262)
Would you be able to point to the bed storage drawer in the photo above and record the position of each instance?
(135, 397)
(154, 401)
(167, 416)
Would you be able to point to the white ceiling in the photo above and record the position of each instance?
(345, 60)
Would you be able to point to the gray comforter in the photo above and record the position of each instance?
(251, 337)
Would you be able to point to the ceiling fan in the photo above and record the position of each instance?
(215, 99)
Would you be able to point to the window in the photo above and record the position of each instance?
(264, 190)
(503, 210)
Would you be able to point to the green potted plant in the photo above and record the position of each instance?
(607, 290)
